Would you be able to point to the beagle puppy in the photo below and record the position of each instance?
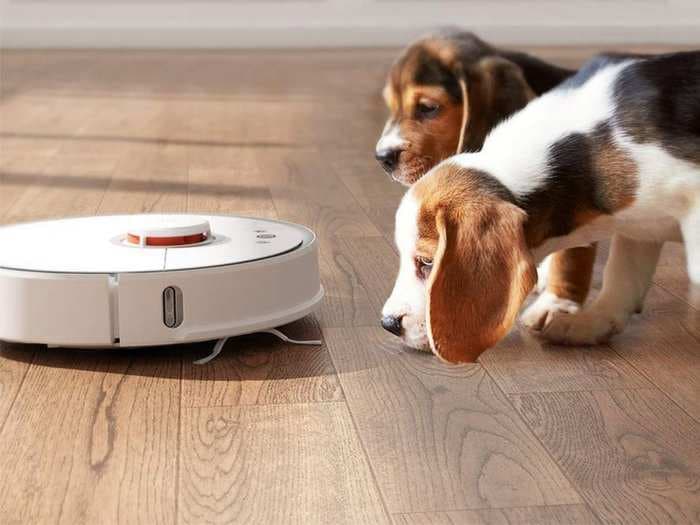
(612, 152)
(445, 92)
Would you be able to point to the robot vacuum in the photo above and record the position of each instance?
(142, 280)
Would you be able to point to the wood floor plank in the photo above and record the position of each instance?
(523, 363)
(667, 352)
(375, 263)
(150, 179)
(36, 150)
(299, 463)
(671, 274)
(358, 274)
(305, 190)
(632, 454)
(378, 196)
(371, 187)
(347, 301)
(14, 363)
(554, 515)
(119, 123)
(383, 217)
(260, 369)
(92, 437)
(659, 347)
(440, 436)
(349, 162)
(16, 145)
(663, 345)
(18, 173)
(240, 189)
(69, 185)
(33, 116)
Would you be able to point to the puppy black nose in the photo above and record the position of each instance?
(388, 158)
(392, 324)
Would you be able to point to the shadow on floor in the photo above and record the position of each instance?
(248, 357)
(132, 185)
(149, 140)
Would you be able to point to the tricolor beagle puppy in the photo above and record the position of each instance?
(612, 152)
(445, 93)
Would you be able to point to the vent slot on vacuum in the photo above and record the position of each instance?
(172, 307)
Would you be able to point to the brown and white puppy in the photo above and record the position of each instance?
(613, 152)
(445, 92)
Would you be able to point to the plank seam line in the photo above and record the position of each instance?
(187, 203)
(41, 172)
(573, 485)
(362, 443)
(650, 386)
(269, 191)
(649, 378)
(109, 182)
(673, 294)
(362, 209)
(582, 504)
(253, 405)
(179, 442)
(19, 390)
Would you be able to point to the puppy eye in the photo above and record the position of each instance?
(426, 109)
(424, 265)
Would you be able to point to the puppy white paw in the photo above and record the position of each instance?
(588, 327)
(539, 313)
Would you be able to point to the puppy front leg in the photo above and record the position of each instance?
(626, 280)
(690, 229)
(568, 279)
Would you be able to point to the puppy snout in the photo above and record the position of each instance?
(388, 158)
(392, 324)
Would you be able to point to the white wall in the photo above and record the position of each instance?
(270, 23)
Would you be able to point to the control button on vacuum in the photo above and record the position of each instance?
(168, 230)
(266, 236)
(172, 307)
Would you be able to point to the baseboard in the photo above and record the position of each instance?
(171, 38)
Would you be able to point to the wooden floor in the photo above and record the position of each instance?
(360, 430)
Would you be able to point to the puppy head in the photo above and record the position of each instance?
(465, 269)
(444, 94)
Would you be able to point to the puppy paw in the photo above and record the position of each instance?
(587, 327)
(539, 313)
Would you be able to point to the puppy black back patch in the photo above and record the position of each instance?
(658, 101)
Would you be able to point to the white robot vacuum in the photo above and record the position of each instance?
(141, 280)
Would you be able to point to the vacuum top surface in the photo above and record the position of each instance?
(144, 243)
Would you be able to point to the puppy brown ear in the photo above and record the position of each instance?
(482, 272)
(495, 89)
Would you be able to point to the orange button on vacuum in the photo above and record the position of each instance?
(168, 230)
(179, 240)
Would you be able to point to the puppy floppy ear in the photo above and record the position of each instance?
(492, 89)
(482, 272)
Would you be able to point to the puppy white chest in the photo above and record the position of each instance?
(668, 188)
